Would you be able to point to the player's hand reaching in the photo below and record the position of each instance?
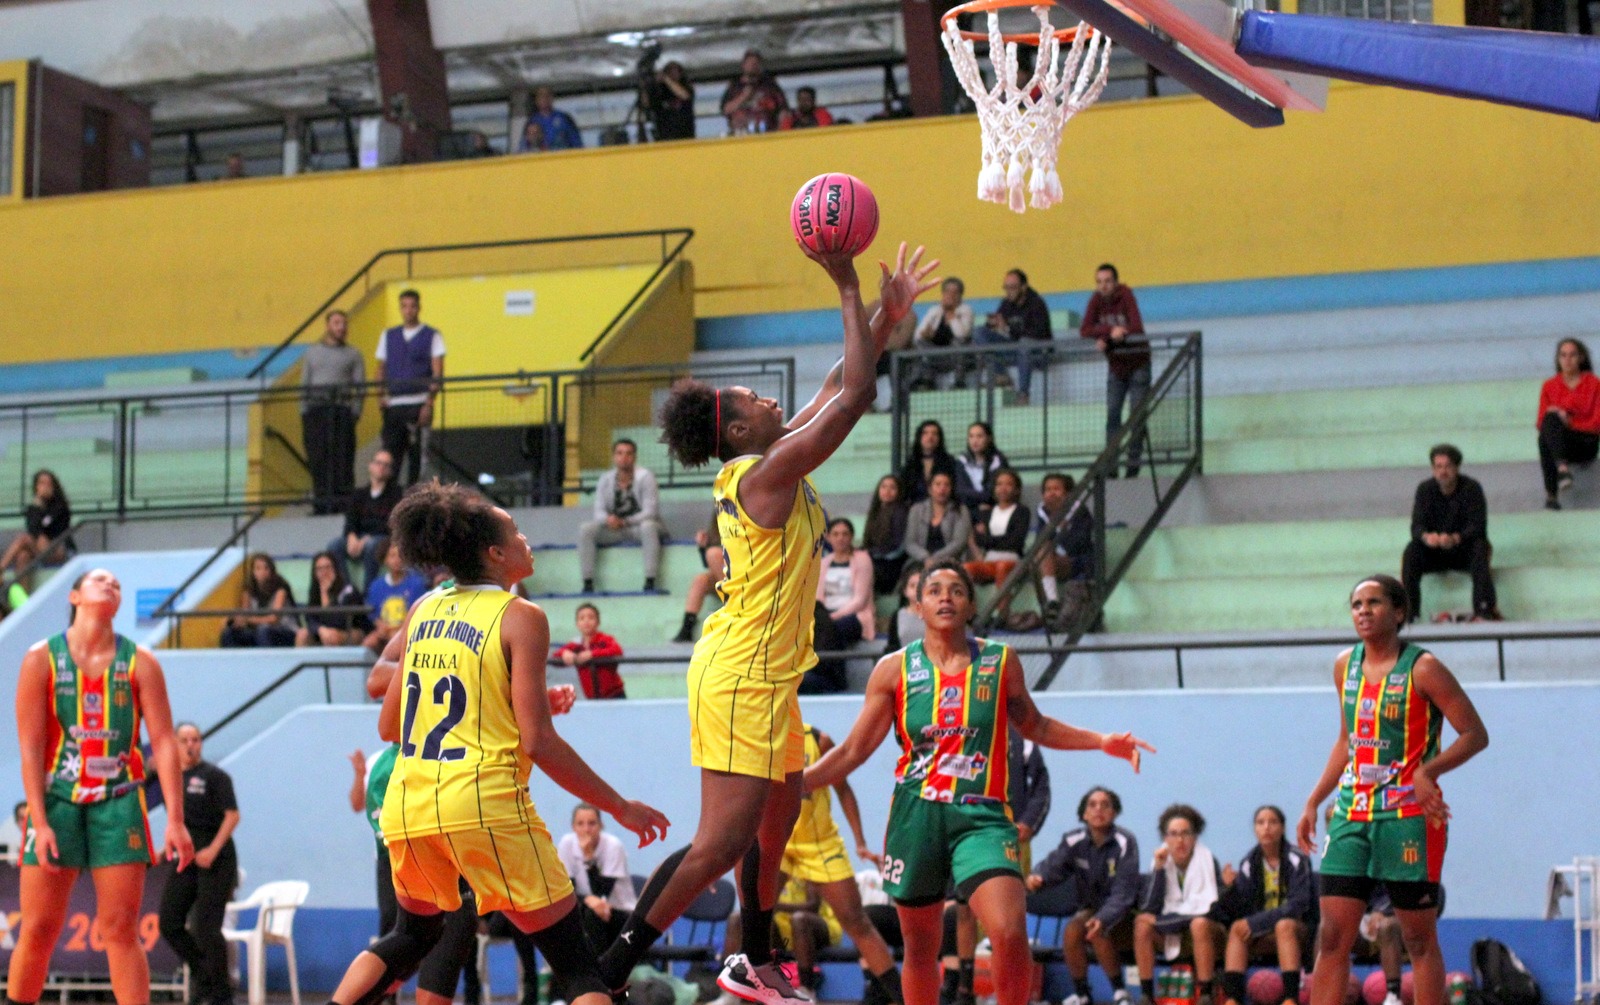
(1125, 747)
(839, 265)
(1430, 798)
(1033, 882)
(646, 821)
(1305, 831)
(866, 854)
(178, 845)
(899, 289)
(561, 697)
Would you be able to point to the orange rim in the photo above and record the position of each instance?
(1027, 37)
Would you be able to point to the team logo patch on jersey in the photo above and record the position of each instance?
(950, 696)
(92, 703)
(1391, 710)
(1410, 853)
(119, 699)
(1368, 706)
(985, 692)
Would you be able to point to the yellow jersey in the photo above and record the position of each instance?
(461, 765)
(763, 630)
(815, 834)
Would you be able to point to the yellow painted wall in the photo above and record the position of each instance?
(15, 72)
(1172, 190)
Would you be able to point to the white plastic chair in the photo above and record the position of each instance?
(275, 905)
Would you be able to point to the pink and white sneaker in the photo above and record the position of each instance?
(766, 984)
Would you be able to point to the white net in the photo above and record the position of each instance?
(1021, 121)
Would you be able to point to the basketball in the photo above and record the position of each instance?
(1375, 988)
(1408, 988)
(1266, 987)
(1305, 993)
(834, 212)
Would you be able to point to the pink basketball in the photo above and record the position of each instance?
(1375, 988)
(1266, 987)
(834, 212)
(1305, 992)
(1408, 988)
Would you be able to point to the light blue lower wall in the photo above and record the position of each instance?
(1521, 807)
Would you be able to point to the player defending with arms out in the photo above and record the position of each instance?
(1390, 821)
(81, 697)
(951, 699)
(816, 854)
(470, 712)
(744, 713)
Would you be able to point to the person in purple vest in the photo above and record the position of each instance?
(410, 366)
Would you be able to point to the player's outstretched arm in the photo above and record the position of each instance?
(849, 806)
(1438, 685)
(525, 634)
(157, 713)
(1306, 829)
(872, 725)
(1054, 733)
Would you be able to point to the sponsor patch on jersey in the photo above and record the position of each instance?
(937, 795)
(944, 732)
(916, 674)
(1397, 796)
(1374, 774)
(990, 664)
(80, 734)
(119, 671)
(963, 766)
(1397, 678)
(1368, 743)
(92, 703)
(1368, 706)
(64, 677)
(102, 767)
(950, 696)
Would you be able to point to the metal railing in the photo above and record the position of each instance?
(1065, 423)
(492, 256)
(234, 449)
(1161, 442)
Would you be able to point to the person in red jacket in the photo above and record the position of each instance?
(1569, 418)
(594, 654)
(1112, 320)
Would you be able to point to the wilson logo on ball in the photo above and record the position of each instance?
(834, 213)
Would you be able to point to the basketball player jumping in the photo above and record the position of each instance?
(744, 715)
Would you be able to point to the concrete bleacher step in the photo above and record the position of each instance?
(171, 376)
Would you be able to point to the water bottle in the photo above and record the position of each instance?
(1164, 986)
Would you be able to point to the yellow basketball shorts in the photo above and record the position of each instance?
(824, 862)
(510, 867)
(744, 726)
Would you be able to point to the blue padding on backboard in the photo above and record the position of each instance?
(1166, 57)
(1537, 70)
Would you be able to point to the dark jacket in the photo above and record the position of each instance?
(1464, 511)
(1246, 898)
(1030, 782)
(368, 515)
(1015, 537)
(1119, 310)
(1107, 875)
(1074, 539)
(1029, 318)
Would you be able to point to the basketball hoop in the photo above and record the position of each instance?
(1021, 124)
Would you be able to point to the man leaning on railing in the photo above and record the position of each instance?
(1111, 319)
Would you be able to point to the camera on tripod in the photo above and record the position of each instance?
(648, 57)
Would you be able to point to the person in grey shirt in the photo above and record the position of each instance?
(626, 508)
(331, 375)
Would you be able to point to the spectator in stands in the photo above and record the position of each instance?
(978, 466)
(598, 865)
(1112, 320)
(900, 338)
(906, 626)
(1182, 904)
(11, 830)
(806, 114)
(268, 592)
(331, 375)
(1072, 558)
(533, 140)
(329, 589)
(938, 527)
(1023, 317)
(670, 98)
(366, 520)
(946, 323)
(233, 167)
(884, 536)
(559, 130)
(1103, 860)
(1569, 419)
(845, 587)
(410, 365)
(626, 508)
(999, 532)
(390, 597)
(1450, 530)
(709, 541)
(594, 655)
(925, 458)
(47, 523)
(1270, 899)
(753, 100)
(201, 892)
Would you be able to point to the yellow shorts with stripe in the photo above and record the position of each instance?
(510, 867)
(744, 726)
(827, 862)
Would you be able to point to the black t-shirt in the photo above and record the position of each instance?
(674, 115)
(207, 796)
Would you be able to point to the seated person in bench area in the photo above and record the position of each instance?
(1182, 906)
(1269, 897)
(627, 507)
(1450, 530)
(1102, 859)
(1569, 419)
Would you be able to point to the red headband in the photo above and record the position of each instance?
(716, 451)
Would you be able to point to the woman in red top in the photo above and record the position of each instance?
(594, 654)
(1569, 418)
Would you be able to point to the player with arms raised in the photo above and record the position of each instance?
(951, 699)
(1390, 821)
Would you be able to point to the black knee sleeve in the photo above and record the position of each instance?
(454, 954)
(570, 956)
(947, 942)
(402, 951)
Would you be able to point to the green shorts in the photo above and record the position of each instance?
(931, 844)
(91, 835)
(1408, 850)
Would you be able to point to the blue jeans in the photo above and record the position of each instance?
(371, 557)
(1133, 390)
(1026, 361)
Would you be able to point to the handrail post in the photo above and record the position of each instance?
(121, 467)
(1177, 652)
(1500, 652)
